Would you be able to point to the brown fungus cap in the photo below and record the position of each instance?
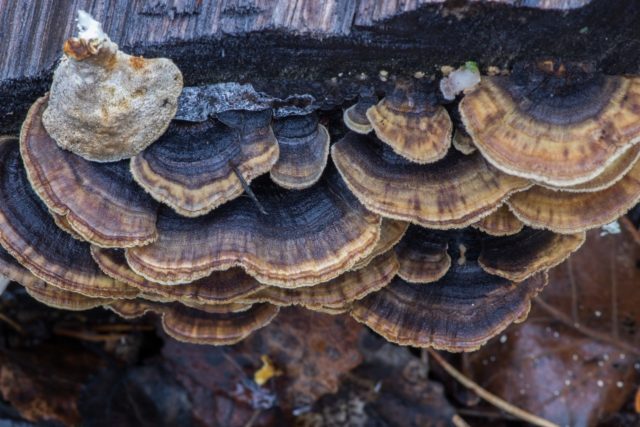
(563, 212)
(63, 224)
(452, 193)
(553, 124)
(422, 254)
(221, 287)
(391, 231)
(307, 237)
(100, 202)
(232, 307)
(41, 291)
(134, 308)
(64, 300)
(462, 142)
(612, 174)
(408, 121)
(459, 312)
(194, 167)
(106, 105)
(12, 270)
(355, 117)
(344, 289)
(304, 150)
(526, 253)
(425, 255)
(500, 223)
(199, 326)
(30, 235)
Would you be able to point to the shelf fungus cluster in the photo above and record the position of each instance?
(432, 222)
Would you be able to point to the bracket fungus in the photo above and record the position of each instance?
(611, 174)
(100, 202)
(500, 223)
(556, 124)
(459, 312)
(344, 289)
(308, 237)
(31, 236)
(455, 192)
(412, 124)
(526, 253)
(355, 117)
(110, 199)
(220, 287)
(463, 142)
(105, 105)
(425, 255)
(201, 327)
(563, 212)
(304, 150)
(221, 326)
(422, 254)
(196, 167)
(391, 231)
(42, 291)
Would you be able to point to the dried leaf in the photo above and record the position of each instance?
(390, 389)
(572, 362)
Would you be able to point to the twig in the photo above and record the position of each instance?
(558, 315)
(458, 421)
(253, 418)
(490, 397)
(631, 228)
(123, 327)
(248, 190)
(574, 292)
(9, 321)
(480, 413)
(614, 291)
(87, 336)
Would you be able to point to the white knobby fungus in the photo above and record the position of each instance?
(89, 28)
(460, 80)
(106, 105)
(611, 228)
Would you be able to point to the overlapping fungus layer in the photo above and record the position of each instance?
(215, 224)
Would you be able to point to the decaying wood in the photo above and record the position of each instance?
(310, 40)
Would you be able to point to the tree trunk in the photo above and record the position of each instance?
(289, 46)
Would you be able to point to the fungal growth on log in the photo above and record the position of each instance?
(430, 213)
(211, 172)
(408, 122)
(554, 123)
(304, 151)
(106, 105)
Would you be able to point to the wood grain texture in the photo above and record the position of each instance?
(32, 32)
(289, 46)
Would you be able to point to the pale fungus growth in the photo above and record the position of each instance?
(89, 28)
(105, 105)
(460, 80)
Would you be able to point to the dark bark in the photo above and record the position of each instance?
(287, 46)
